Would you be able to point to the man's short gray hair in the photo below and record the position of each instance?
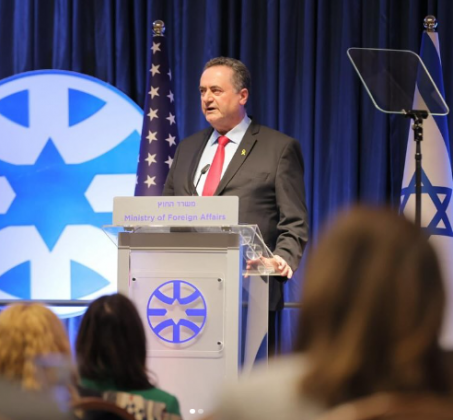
(241, 74)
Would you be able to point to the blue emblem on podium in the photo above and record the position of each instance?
(176, 311)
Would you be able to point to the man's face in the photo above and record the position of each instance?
(221, 104)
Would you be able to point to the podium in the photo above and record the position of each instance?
(182, 261)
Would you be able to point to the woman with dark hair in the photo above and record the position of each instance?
(111, 351)
(372, 309)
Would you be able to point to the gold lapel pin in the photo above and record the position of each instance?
(243, 152)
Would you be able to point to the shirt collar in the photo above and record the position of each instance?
(235, 134)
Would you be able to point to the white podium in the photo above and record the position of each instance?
(183, 265)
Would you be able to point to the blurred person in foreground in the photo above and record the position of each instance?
(29, 333)
(111, 351)
(37, 378)
(372, 309)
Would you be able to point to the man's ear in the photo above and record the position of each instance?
(244, 93)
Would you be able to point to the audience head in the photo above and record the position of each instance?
(27, 333)
(372, 309)
(111, 344)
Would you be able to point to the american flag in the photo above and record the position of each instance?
(159, 131)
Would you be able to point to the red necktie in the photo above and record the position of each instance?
(215, 171)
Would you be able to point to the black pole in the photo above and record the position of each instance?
(418, 183)
(417, 127)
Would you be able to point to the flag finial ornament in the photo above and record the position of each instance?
(158, 28)
(430, 23)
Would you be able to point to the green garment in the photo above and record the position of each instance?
(153, 394)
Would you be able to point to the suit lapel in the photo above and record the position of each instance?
(199, 147)
(244, 149)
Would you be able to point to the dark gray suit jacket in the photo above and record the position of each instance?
(269, 181)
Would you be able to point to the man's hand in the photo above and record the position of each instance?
(282, 266)
(276, 263)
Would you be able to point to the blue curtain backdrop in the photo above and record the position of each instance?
(303, 83)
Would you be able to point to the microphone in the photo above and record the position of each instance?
(203, 171)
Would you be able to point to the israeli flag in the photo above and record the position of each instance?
(437, 183)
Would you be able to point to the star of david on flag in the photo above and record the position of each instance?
(159, 132)
(437, 182)
(440, 197)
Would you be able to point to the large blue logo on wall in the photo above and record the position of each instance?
(176, 311)
(68, 144)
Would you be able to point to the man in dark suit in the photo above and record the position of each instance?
(261, 166)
